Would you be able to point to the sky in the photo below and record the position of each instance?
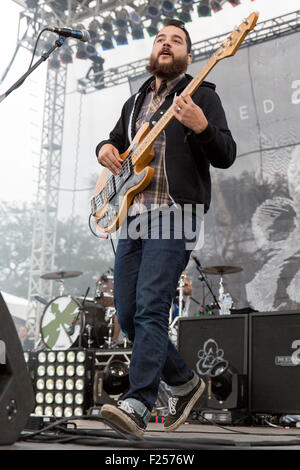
(21, 113)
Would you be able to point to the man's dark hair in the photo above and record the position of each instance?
(181, 25)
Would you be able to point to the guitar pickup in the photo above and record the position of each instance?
(93, 206)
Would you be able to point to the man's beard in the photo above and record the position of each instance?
(167, 71)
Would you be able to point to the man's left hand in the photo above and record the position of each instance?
(189, 114)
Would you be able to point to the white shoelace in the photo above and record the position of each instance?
(124, 405)
(172, 405)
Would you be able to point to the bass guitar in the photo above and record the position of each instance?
(113, 194)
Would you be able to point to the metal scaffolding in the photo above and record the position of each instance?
(46, 206)
(264, 31)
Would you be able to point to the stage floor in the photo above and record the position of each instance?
(188, 438)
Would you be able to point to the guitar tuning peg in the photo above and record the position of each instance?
(245, 21)
(237, 29)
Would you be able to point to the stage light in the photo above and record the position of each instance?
(61, 356)
(185, 14)
(135, 18)
(167, 5)
(204, 8)
(227, 389)
(107, 24)
(137, 32)
(51, 357)
(116, 377)
(31, 3)
(234, 3)
(121, 19)
(54, 62)
(152, 29)
(62, 382)
(221, 377)
(215, 5)
(42, 357)
(71, 356)
(121, 38)
(94, 28)
(152, 10)
(107, 43)
(66, 55)
(94, 73)
(41, 371)
(81, 53)
(40, 384)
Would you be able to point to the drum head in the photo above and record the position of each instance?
(61, 323)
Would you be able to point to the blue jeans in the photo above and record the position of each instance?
(146, 276)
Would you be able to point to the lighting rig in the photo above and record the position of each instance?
(62, 381)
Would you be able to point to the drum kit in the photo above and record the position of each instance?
(78, 321)
(81, 321)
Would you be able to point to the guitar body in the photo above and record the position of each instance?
(111, 212)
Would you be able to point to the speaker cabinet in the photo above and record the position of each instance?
(274, 356)
(16, 392)
(203, 342)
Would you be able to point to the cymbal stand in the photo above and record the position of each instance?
(61, 287)
(204, 282)
(110, 315)
(180, 306)
(89, 332)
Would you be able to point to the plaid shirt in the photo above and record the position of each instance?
(157, 191)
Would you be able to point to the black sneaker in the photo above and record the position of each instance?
(181, 406)
(124, 416)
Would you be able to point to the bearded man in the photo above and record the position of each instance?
(147, 267)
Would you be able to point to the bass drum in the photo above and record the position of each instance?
(61, 323)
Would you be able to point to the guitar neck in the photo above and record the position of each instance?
(150, 138)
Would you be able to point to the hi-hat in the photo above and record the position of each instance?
(61, 275)
(220, 270)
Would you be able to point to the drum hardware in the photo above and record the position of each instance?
(90, 341)
(204, 283)
(181, 284)
(40, 299)
(109, 317)
(221, 270)
(81, 311)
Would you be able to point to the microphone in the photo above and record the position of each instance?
(82, 35)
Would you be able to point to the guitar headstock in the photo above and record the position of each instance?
(232, 43)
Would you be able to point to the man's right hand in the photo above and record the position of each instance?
(109, 157)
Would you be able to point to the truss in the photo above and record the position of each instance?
(264, 31)
(44, 231)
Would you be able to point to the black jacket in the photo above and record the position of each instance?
(188, 156)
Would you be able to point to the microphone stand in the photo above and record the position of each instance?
(205, 281)
(58, 43)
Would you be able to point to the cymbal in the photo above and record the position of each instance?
(222, 270)
(61, 275)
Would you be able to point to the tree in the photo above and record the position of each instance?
(76, 249)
